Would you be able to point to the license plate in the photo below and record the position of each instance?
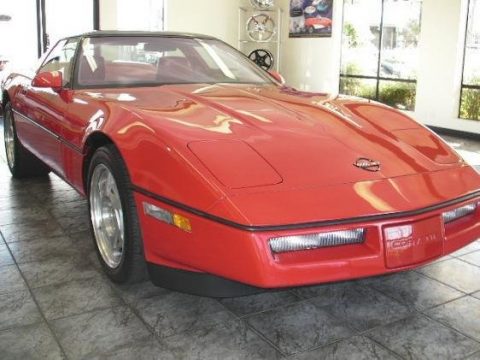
(413, 243)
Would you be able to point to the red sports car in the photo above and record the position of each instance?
(313, 24)
(218, 179)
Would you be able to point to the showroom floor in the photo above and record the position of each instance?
(55, 303)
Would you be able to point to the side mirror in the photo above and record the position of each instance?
(49, 79)
(277, 76)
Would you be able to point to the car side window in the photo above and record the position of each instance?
(61, 59)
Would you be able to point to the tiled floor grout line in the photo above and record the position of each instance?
(422, 312)
(429, 308)
(468, 262)
(441, 282)
(356, 332)
(451, 328)
(113, 288)
(264, 338)
(211, 326)
(54, 335)
(278, 307)
(417, 312)
(417, 271)
(385, 347)
(414, 312)
(460, 256)
(364, 332)
(243, 319)
(471, 355)
(300, 300)
(134, 311)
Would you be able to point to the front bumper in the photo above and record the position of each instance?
(245, 256)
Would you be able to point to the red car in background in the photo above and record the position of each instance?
(219, 179)
(313, 24)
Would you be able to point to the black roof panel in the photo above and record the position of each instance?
(142, 33)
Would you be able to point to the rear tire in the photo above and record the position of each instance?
(114, 219)
(21, 162)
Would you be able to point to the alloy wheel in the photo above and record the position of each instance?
(9, 139)
(107, 216)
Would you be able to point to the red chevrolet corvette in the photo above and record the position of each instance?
(218, 179)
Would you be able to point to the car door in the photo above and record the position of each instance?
(44, 109)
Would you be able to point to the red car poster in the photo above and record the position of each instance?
(311, 18)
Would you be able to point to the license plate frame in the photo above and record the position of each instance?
(413, 242)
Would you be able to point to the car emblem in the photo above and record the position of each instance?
(367, 164)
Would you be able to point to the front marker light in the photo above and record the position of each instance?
(158, 213)
(166, 216)
(315, 241)
(182, 223)
(458, 213)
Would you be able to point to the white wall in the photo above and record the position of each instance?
(440, 66)
(108, 15)
(129, 15)
(211, 17)
(218, 18)
(312, 64)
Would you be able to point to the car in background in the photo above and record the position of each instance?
(3, 71)
(315, 24)
(216, 178)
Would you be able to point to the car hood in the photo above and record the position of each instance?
(294, 139)
(277, 145)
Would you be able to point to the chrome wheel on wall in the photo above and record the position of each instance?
(21, 162)
(114, 218)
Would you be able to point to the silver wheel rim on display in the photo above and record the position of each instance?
(10, 139)
(107, 216)
(261, 28)
(262, 4)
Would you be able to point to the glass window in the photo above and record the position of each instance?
(155, 60)
(470, 99)
(380, 50)
(60, 59)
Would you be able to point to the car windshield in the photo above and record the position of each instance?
(148, 60)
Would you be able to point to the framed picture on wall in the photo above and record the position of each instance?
(311, 18)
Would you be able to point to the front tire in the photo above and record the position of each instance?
(113, 217)
(21, 162)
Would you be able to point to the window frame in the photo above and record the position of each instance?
(268, 80)
(463, 85)
(59, 46)
(378, 78)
